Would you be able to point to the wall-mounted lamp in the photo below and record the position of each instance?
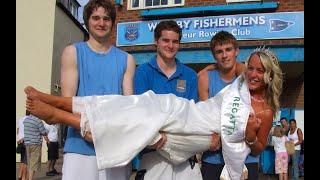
(56, 88)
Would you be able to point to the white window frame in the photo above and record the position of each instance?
(142, 5)
(73, 9)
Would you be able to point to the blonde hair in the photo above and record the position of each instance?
(273, 76)
(278, 131)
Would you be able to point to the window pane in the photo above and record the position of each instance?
(135, 3)
(156, 2)
(164, 2)
(177, 1)
(148, 2)
(71, 9)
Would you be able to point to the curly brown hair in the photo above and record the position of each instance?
(95, 4)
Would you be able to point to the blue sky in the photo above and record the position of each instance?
(80, 10)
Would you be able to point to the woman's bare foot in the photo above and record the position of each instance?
(42, 110)
(63, 103)
(32, 93)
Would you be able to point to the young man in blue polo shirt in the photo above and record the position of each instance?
(164, 74)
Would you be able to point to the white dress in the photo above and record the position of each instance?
(122, 126)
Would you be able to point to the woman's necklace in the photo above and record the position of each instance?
(257, 100)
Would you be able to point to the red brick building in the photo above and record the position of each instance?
(283, 33)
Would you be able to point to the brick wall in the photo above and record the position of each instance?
(293, 94)
(123, 15)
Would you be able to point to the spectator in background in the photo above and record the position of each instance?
(22, 175)
(53, 148)
(281, 159)
(285, 125)
(295, 135)
(33, 132)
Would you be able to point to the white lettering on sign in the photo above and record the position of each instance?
(216, 22)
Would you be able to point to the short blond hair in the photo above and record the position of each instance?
(278, 131)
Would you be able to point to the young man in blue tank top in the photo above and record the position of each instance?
(94, 67)
(212, 79)
(163, 74)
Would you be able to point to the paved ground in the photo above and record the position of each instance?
(42, 174)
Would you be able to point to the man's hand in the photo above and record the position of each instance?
(215, 142)
(208, 68)
(88, 136)
(161, 142)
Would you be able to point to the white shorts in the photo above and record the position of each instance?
(159, 168)
(83, 167)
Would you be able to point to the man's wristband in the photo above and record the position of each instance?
(250, 143)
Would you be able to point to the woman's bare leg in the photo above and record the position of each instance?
(51, 114)
(64, 103)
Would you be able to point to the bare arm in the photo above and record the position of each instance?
(203, 86)
(127, 83)
(203, 90)
(240, 68)
(69, 72)
(300, 137)
(43, 131)
(69, 81)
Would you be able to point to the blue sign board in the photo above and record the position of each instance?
(282, 25)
